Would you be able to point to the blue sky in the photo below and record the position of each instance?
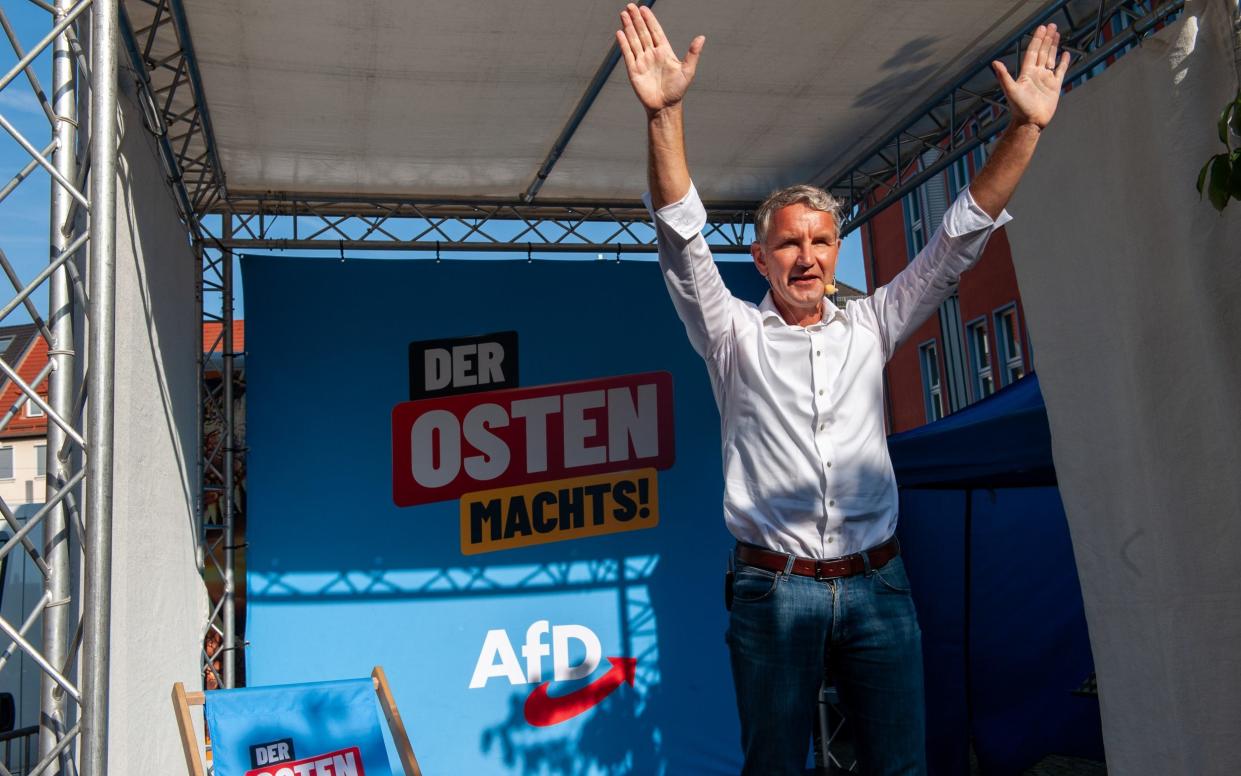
(24, 214)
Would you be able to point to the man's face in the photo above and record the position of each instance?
(798, 257)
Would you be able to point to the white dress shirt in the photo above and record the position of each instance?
(806, 465)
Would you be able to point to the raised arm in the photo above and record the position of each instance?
(1032, 100)
(913, 295)
(660, 80)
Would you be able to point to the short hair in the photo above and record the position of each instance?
(814, 197)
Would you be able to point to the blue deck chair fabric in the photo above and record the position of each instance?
(315, 729)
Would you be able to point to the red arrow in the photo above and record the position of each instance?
(543, 710)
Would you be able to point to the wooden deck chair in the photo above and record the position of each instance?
(182, 700)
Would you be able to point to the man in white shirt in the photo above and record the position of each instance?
(809, 491)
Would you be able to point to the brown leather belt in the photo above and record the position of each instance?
(845, 566)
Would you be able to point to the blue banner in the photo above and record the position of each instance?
(502, 482)
(318, 729)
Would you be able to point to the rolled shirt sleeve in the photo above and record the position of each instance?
(698, 293)
(902, 305)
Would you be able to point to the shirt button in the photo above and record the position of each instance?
(829, 464)
(831, 539)
(822, 426)
(832, 503)
(820, 391)
(818, 352)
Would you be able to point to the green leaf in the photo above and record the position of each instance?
(1224, 116)
(1236, 113)
(1217, 189)
(1234, 181)
(1202, 175)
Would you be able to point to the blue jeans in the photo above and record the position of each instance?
(785, 631)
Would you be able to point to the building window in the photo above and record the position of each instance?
(1008, 335)
(959, 172)
(979, 154)
(932, 392)
(915, 223)
(6, 463)
(959, 175)
(33, 410)
(5, 341)
(925, 206)
(40, 460)
(980, 359)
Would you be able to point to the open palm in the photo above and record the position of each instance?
(1034, 95)
(658, 77)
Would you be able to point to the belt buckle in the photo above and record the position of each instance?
(818, 571)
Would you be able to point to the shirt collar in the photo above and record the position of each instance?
(767, 309)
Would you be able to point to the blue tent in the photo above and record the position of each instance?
(1002, 441)
(987, 547)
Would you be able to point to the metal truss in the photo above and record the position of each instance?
(157, 40)
(972, 110)
(435, 226)
(65, 633)
(221, 459)
(833, 746)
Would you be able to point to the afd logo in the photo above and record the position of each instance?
(499, 660)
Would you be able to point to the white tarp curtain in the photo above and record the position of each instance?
(466, 99)
(159, 604)
(1131, 287)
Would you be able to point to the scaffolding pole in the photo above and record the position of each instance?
(228, 505)
(53, 723)
(73, 666)
(97, 591)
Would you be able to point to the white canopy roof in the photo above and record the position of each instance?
(466, 99)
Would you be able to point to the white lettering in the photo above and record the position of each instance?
(490, 354)
(496, 645)
(577, 428)
(423, 448)
(437, 370)
(344, 765)
(560, 651)
(324, 766)
(627, 423)
(534, 650)
(439, 441)
(304, 769)
(495, 455)
(282, 751)
(497, 657)
(535, 411)
(462, 368)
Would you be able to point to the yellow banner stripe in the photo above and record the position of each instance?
(544, 512)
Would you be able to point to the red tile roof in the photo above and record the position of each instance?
(27, 355)
(211, 331)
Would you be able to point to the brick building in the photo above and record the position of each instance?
(977, 343)
(23, 443)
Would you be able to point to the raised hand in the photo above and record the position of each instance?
(658, 78)
(1033, 97)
